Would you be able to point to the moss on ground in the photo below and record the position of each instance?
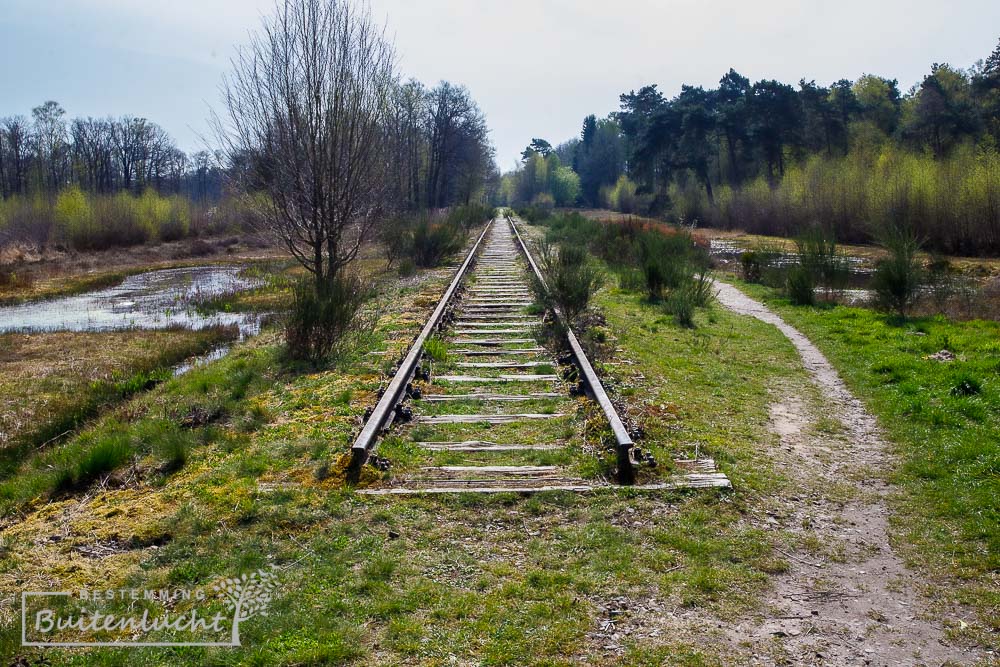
(547, 579)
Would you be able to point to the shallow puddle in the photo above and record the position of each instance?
(152, 300)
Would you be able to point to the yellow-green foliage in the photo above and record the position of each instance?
(622, 196)
(88, 221)
(165, 218)
(153, 211)
(952, 203)
(73, 215)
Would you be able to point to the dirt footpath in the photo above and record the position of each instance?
(847, 598)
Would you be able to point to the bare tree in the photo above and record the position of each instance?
(460, 153)
(51, 142)
(306, 104)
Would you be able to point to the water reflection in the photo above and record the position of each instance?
(152, 300)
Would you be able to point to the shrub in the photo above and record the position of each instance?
(571, 276)
(471, 215)
(897, 277)
(693, 293)
(394, 235)
(406, 268)
(681, 305)
(622, 196)
(543, 201)
(120, 222)
(818, 254)
(533, 214)
(433, 242)
(800, 286)
(665, 261)
(319, 322)
(759, 262)
(950, 201)
(74, 217)
(176, 224)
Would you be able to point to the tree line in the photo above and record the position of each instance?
(60, 178)
(751, 154)
(49, 152)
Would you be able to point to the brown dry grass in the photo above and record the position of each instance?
(49, 273)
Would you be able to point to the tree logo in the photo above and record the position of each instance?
(247, 596)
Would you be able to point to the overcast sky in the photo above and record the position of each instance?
(536, 67)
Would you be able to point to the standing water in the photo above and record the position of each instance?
(153, 300)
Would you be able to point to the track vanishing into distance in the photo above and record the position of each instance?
(496, 415)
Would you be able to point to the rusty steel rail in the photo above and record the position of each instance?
(623, 450)
(381, 416)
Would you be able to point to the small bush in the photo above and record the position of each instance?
(800, 286)
(897, 277)
(533, 214)
(681, 305)
(406, 268)
(319, 322)
(433, 242)
(543, 201)
(664, 261)
(819, 255)
(396, 238)
(74, 217)
(630, 278)
(176, 223)
(120, 223)
(691, 294)
(471, 215)
(757, 263)
(572, 278)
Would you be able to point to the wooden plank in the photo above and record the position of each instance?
(498, 353)
(502, 364)
(519, 325)
(482, 446)
(487, 419)
(489, 396)
(488, 332)
(678, 485)
(492, 341)
(517, 470)
(499, 378)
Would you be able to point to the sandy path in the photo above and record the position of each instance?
(848, 599)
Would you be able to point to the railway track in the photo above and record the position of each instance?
(496, 415)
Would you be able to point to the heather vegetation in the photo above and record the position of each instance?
(855, 157)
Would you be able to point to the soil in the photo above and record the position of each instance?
(847, 598)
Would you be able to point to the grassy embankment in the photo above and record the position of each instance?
(51, 382)
(944, 418)
(234, 466)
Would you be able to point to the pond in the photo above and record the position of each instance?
(152, 300)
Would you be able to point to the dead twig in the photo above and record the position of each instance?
(799, 560)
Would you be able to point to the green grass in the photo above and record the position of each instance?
(49, 393)
(504, 580)
(436, 349)
(944, 421)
